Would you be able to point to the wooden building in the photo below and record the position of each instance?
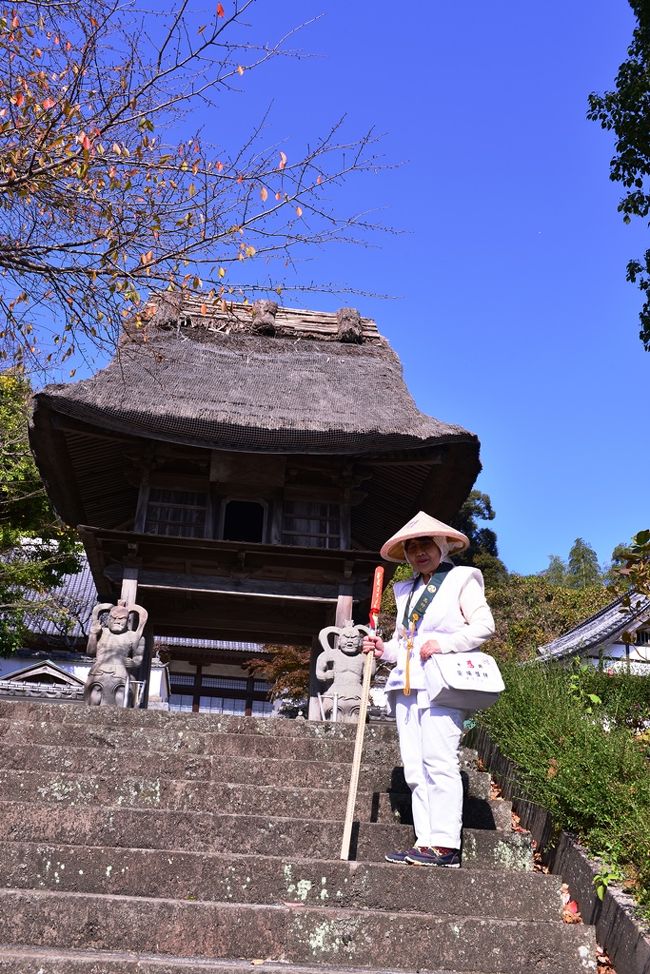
(235, 468)
(616, 639)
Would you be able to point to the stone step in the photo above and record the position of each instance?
(362, 938)
(232, 878)
(245, 834)
(168, 739)
(34, 960)
(234, 769)
(173, 794)
(198, 723)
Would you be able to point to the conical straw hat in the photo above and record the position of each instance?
(423, 526)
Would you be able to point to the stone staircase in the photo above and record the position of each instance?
(134, 841)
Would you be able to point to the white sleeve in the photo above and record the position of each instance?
(479, 624)
(391, 645)
(390, 649)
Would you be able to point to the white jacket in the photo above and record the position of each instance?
(458, 618)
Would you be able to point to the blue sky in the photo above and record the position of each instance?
(510, 309)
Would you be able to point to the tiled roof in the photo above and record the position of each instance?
(604, 627)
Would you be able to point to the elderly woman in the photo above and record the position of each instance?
(441, 610)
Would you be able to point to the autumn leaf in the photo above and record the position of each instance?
(219, 166)
(204, 309)
(240, 69)
(220, 11)
(264, 194)
(299, 211)
(283, 160)
(222, 272)
(571, 913)
(48, 103)
(250, 251)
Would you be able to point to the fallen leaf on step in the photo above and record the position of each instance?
(571, 913)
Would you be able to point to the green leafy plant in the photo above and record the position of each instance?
(580, 760)
(578, 692)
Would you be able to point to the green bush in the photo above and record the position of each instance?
(625, 698)
(568, 733)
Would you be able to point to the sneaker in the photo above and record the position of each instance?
(400, 856)
(434, 856)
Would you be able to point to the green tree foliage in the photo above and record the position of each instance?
(625, 111)
(636, 568)
(555, 574)
(35, 549)
(483, 552)
(105, 196)
(583, 568)
(612, 573)
(530, 611)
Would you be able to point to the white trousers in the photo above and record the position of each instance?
(429, 741)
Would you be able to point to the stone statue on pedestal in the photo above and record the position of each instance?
(341, 665)
(118, 648)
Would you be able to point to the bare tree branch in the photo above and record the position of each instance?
(99, 207)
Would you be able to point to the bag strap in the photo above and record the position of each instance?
(413, 616)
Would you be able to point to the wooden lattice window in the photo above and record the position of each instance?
(311, 524)
(176, 513)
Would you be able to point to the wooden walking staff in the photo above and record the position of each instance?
(375, 605)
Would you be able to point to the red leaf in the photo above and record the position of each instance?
(220, 11)
(48, 103)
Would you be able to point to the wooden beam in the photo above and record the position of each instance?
(129, 590)
(344, 606)
(227, 585)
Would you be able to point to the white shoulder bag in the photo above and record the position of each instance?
(463, 681)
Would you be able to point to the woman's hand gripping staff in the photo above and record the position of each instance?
(373, 644)
(375, 606)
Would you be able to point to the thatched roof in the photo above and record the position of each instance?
(234, 378)
(196, 378)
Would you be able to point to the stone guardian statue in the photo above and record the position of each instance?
(341, 665)
(118, 647)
